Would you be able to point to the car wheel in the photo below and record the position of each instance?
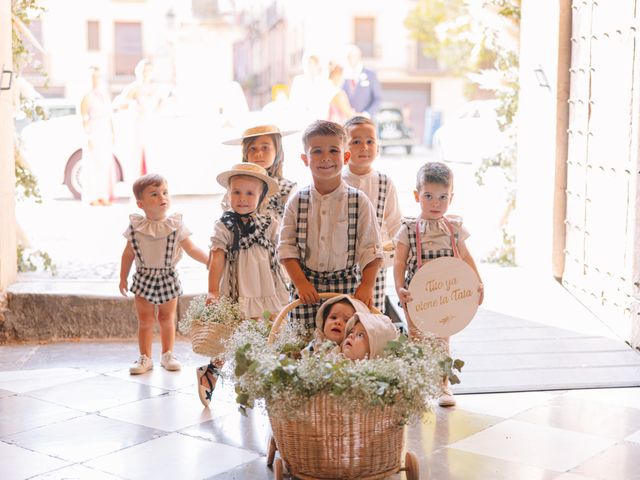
(72, 174)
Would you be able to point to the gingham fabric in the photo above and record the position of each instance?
(277, 202)
(260, 224)
(156, 285)
(381, 278)
(341, 281)
(412, 260)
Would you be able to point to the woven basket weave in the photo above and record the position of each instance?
(208, 339)
(328, 438)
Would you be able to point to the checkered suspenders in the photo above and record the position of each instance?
(168, 253)
(352, 217)
(382, 196)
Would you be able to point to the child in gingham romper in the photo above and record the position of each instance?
(329, 241)
(363, 146)
(439, 236)
(155, 242)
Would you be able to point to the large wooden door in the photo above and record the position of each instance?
(601, 266)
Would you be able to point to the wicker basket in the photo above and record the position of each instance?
(208, 339)
(328, 438)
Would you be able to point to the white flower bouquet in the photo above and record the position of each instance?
(210, 325)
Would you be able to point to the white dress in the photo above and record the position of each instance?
(260, 289)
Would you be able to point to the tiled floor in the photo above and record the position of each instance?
(73, 411)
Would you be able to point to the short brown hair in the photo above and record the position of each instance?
(358, 120)
(148, 180)
(323, 128)
(434, 172)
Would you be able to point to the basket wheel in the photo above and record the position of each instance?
(278, 469)
(411, 466)
(271, 452)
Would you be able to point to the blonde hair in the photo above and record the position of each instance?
(149, 180)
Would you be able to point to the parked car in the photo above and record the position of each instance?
(392, 129)
(471, 135)
(187, 149)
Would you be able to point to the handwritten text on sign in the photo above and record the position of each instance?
(445, 296)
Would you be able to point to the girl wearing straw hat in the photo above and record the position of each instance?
(262, 145)
(243, 264)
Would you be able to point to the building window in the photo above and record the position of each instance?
(128, 47)
(93, 35)
(364, 35)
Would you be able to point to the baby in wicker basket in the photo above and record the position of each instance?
(243, 264)
(367, 335)
(332, 318)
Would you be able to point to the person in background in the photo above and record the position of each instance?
(340, 110)
(361, 84)
(98, 175)
(144, 97)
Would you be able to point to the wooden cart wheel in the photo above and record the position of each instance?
(411, 466)
(278, 470)
(271, 452)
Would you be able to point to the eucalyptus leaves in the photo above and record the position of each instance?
(408, 375)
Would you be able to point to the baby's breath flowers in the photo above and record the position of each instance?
(223, 311)
(408, 375)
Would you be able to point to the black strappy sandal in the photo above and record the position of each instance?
(210, 374)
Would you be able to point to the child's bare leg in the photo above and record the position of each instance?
(166, 319)
(446, 399)
(146, 313)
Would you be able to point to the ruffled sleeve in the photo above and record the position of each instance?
(221, 238)
(456, 223)
(403, 234)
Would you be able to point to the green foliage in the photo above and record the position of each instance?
(408, 375)
(224, 311)
(26, 184)
(479, 39)
(28, 261)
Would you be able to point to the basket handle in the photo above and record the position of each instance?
(281, 319)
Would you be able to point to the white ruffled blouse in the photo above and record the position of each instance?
(435, 234)
(152, 235)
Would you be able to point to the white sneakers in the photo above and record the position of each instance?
(170, 362)
(447, 399)
(143, 364)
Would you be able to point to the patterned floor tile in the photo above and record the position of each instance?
(540, 446)
(191, 458)
(621, 461)
(19, 413)
(21, 381)
(18, 463)
(84, 438)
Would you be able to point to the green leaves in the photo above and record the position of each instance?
(448, 366)
(243, 362)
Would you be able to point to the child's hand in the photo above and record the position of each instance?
(404, 295)
(123, 287)
(212, 298)
(364, 294)
(481, 292)
(308, 294)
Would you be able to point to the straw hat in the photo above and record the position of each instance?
(251, 170)
(257, 132)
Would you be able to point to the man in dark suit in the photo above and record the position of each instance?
(361, 84)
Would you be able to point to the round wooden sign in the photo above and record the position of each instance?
(445, 296)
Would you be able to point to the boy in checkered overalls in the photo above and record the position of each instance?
(155, 241)
(330, 239)
(362, 143)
